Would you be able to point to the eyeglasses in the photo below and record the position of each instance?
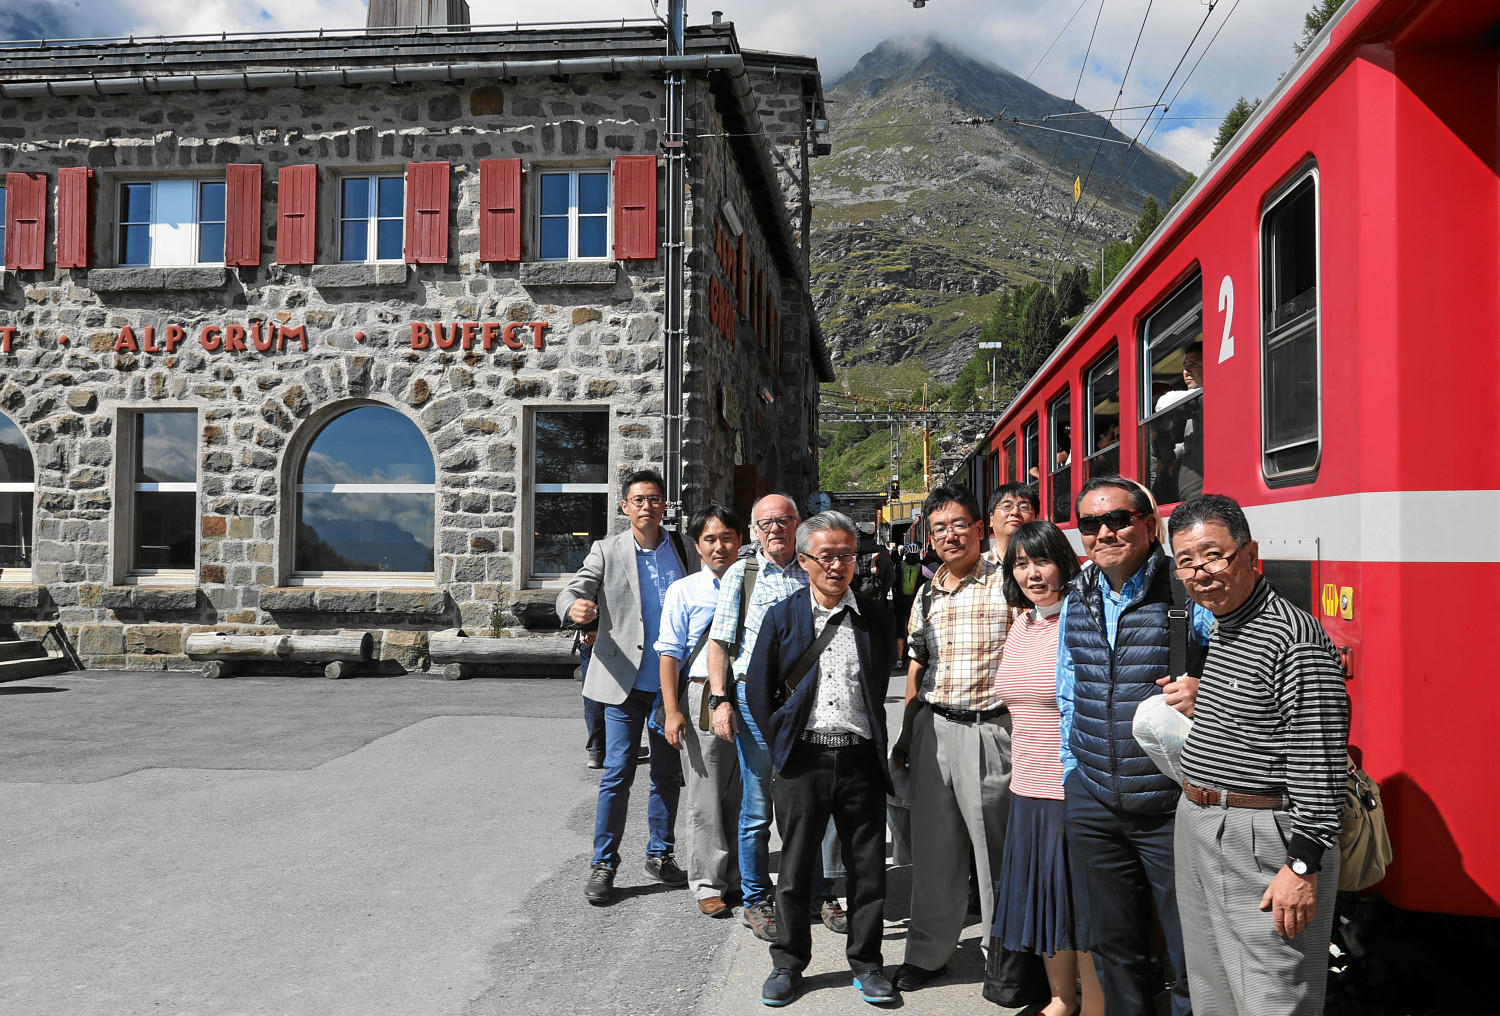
(1015, 507)
(779, 522)
(642, 500)
(1120, 518)
(1214, 567)
(829, 560)
(957, 529)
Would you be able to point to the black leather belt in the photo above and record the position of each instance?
(968, 715)
(823, 740)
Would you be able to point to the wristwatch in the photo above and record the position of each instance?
(715, 701)
(1298, 865)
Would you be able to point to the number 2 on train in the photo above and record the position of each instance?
(1226, 305)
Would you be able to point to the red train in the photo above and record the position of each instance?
(1339, 265)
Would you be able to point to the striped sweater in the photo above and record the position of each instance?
(1272, 716)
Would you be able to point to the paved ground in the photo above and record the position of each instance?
(283, 846)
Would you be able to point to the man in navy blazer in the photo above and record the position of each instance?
(827, 741)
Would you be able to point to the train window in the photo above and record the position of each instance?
(1031, 450)
(992, 473)
(1060, 446)
(1010, 459)
(1290, 412)
(1103, 421)
(1172, 396)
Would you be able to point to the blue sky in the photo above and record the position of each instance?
(1253, 50)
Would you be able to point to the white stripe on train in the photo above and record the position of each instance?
(1396, 526)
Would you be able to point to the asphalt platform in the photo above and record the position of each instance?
(282, 846)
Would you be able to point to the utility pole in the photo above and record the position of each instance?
(994, 371)
(676, 298)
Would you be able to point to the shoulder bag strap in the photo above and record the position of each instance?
(747, 589)
(1178, 618)
(808, 659)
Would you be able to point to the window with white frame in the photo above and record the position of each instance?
(1291, 417)
(2, 223)
(163, 494)
(171, 222)
(570, 489)
(17, 497)
(573, 215)
(372, 218)
(366, 491)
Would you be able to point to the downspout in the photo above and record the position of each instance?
(674, 364)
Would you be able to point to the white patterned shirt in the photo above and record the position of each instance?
(839, 707)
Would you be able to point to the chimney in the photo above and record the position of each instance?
(418, 14)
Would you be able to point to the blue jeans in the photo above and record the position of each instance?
(755, 814)
(593, 712)
(622, 736)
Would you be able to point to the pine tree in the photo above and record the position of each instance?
(1313, 21)
(1233, 121)
(1146, 225)
(1181, 189)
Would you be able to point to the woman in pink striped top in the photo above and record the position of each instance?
(1039, 905)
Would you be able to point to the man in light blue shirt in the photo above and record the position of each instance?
(621, 584)
(712, 769)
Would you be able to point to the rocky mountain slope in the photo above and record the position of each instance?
(919, 220)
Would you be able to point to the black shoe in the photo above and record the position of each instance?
(781, 987)
(833, 916)
(600, 888)
(910, 977)
(874, 987)
(666, 869)
(596, 759)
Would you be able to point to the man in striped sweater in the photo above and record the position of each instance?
(1264, 782)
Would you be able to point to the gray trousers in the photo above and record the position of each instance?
(1237, 964)
(960, 799)
(710, 804)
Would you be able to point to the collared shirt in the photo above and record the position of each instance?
(1272, 716)
(965, 631)
(773, 584)
(657, 569)
(1202, 622)
(686, 615)
(839, 707)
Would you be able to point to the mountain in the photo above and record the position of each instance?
(918, 221)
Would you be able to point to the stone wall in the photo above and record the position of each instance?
(69, 383)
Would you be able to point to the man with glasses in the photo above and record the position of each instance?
(1113, 653)
(1264, 781)
(959, 754)
(816, 686)
(1014, 505)
(622, 585)
(770, 576)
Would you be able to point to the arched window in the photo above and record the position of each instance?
(365, 492)
(17, 494)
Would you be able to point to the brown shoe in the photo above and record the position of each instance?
(713, 906)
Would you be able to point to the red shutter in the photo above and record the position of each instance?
(500, 210)
(25, 220)
(73, 217)
(242, 216)
(635, 207)
(426, 213)
(742, 285)
(296, 215)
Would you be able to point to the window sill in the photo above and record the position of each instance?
(348, 276)
(350, 599)
(124, 280)
(569, 273)
(150, 597)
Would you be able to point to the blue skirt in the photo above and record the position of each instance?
(1040, 903)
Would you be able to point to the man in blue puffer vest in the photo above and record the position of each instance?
(1119, 808)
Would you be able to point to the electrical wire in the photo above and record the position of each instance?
(1058, 39)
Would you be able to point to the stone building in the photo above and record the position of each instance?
(359, 330)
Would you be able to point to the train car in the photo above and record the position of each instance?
(1335, 271)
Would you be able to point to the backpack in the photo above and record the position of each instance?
(872, 573)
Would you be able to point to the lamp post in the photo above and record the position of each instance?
(993, 371)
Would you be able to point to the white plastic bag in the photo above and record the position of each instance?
(1162, 731)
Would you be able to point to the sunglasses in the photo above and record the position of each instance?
(1120, 518)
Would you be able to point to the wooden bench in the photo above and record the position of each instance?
(460, 654)
(225, 653)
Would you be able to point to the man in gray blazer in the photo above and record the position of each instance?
(622, 584)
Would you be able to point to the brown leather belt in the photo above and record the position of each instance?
(1229, 799)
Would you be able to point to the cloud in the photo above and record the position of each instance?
(50, 19)
(1189, 147)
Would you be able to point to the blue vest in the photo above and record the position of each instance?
(1109, 685)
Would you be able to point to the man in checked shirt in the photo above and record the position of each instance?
(959, 757)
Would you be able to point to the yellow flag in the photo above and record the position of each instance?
(1077, 188)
